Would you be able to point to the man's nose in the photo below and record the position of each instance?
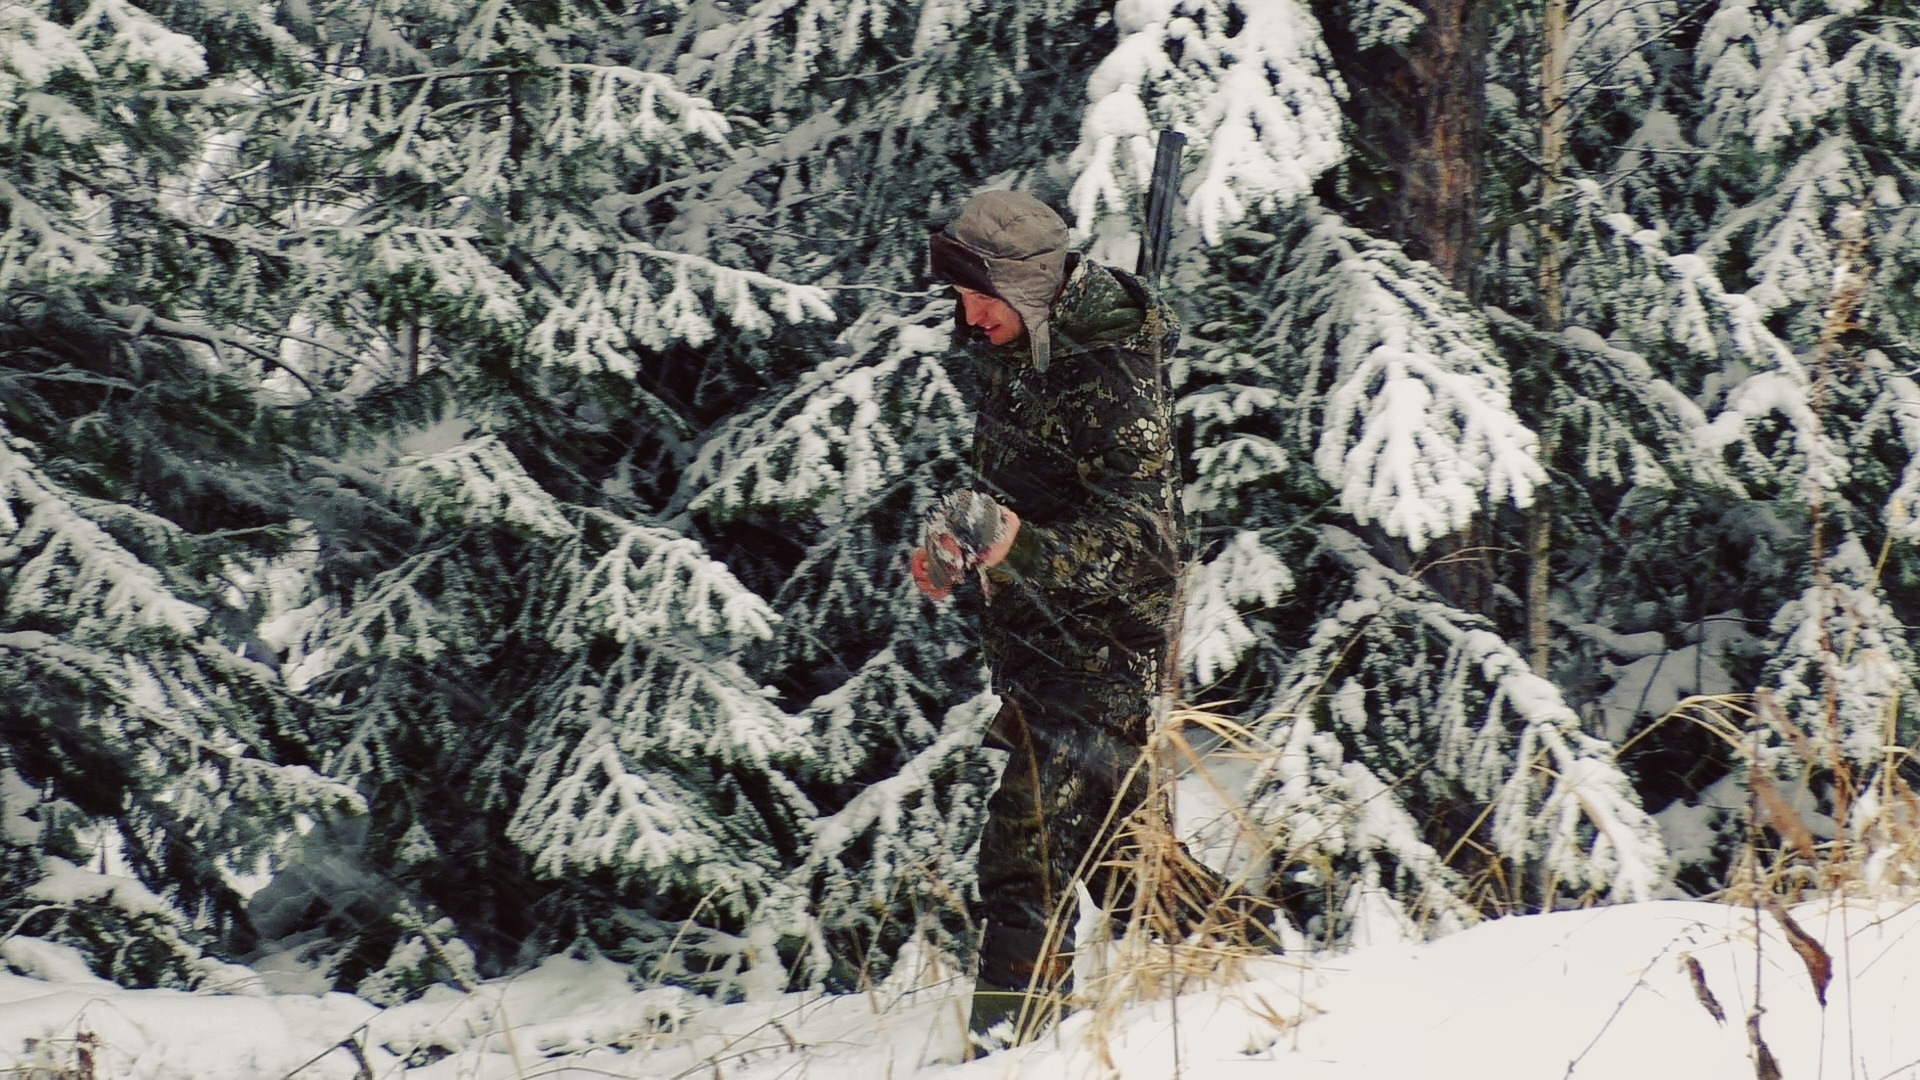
(975, 308)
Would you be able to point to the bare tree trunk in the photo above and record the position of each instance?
(1419, 120)
(1553, 139)
(1440, 207)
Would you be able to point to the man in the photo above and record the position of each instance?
(1073, 525)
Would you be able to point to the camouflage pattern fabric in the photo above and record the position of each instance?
(1077, 618)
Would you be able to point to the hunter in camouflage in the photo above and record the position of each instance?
(1079, 549)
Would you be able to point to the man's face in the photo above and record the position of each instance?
(994, 316)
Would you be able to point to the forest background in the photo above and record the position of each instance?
(458, 461)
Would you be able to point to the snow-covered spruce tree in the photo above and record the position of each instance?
(143, 735)
(1368, 391)
(622, 637)
(1750, 423)
(1425, 776)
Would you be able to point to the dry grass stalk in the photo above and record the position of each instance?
(1888, 835)
(57, 1059)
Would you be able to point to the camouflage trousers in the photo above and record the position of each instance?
(1074, 725)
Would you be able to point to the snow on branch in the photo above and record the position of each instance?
(1848, 633)
(128, 42)
(1215, 637)
(596, 328)
(880, 694)
(1607, 45)
(456, 268)
(1321, 808)
(624, 781)
(890, 809)
(1896, 409)
(1418, 427)
(587, 808)
(34, 249)
(1770, 74)
(31, 50)
(652, 583)
(478, 482)
(393, 617)
(623, 106)
(620, 110)
(1226, 461)
(66, 568)
(1381, 22)
(838, 438)
(1260, 105)
(1656, 299)
(1476, 718)
(177, 710)
(1679, 425)
(1792, 260)
(798, 34)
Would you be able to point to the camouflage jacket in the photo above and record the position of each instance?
(1084, 453)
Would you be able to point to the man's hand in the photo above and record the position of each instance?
(965, 530)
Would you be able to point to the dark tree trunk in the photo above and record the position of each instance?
(1418, 112)
(1417, 116)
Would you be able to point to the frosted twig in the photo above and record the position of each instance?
(142, 320)
(1667, 30)
(1622, 1004)
(305, 1065)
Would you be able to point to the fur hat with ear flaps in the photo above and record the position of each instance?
(1010, 245)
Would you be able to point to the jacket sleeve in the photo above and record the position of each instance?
(1118, 532)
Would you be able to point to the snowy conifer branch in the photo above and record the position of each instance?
(837, 438)
(1416, 426)
(161, 707)
(846, 722)
(595, 328)
(1776, 74)
(588, 808)
(73, 572)
(43, 47)
(622, 104)
(1322, 810)
(651, 582)
(729, 284)
(141, 320)
(1665, 300)
(604, 118)
(630, 756)
(476, 482)
(34, 249)
(1260, 106)
(1678, 425)
(886, 808)
(1470, 710)
(1216, 637)
(460, 273)
(1849, 634)
(1896, 411)
(129, 43)
(391, 618)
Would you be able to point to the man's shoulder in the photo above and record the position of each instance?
(1102, 307)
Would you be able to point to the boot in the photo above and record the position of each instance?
(1007, 990)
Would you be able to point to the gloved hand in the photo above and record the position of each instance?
(965, 530)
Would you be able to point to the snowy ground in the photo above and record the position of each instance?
(1587, 994)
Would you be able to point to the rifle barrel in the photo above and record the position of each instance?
(1161, 196)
